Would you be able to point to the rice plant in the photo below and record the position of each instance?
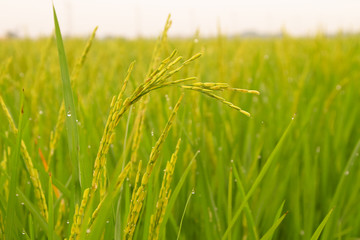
(161, 139)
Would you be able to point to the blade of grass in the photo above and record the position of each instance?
(249, 215)
(258, 179)
(270, 232)
(10, 230)
(183, 215)
(344, 181)
(319, 229)
(80, 178)
(34, 211)
(31, 227)
(229, 213)
(277, 216)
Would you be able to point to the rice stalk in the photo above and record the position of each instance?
(140, 192)
(164, 195)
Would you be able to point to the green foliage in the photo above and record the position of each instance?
(307, 173)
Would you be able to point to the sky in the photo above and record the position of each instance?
(134, 18)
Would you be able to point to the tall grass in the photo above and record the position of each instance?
(247, 177)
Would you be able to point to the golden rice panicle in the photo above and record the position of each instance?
(160, 44)
(59, 226)
(81, 60)
(119, 182)
(158, 146)
(164, 195)
(34, 175)
(8, 115)
(78, 215)
(103, 182)
(74, 228)
(139, 121)
(55, 136)
(209, 89)
(108, 134)
(138, 127)
(3, 168)
(139, 194)
(128, 231)
(107, 138)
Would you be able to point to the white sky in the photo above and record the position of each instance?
(132, 18)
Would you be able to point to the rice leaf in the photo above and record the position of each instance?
(79, 174)
(270, 232)
(258, 179)
(319, 229)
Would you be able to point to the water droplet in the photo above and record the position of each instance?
(167, 98)
(152, 132)
(77, 120)
(68, 114)
(67, 222)
(41, 112)
(318, 149)
(347, 173)
(89, 146)
(88, 230)
(23, 233)
(127, 179)
(338, 87)
(22, 204)
(235, 180)
(231, 160)
(259, 157)
(170, 108)
(302, 232)
(196, 40)
(28, 182)
(193, 192)
(17, 195)
(30, 119)
(107, 221)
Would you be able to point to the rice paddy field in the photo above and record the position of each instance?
(90, 143)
